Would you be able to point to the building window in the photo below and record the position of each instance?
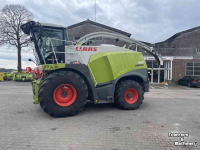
(192, 69)
(98, 38)
(77, 38)
(153, 64)
(149, 64)
(198, 50)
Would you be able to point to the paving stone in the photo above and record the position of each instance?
(24, 125)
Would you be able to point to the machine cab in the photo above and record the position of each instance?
(48, 39)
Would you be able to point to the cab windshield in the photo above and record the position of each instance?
(52, 40)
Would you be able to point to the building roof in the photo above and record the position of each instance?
(180, 33)
(100, 25)
(183, 32)
(147, 43)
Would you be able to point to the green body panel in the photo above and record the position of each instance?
(35, 87)
(24, 77)
(53, 66)
(36, 83)
(109, 66)
(8, 76)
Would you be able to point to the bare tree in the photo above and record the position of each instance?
(11, 18)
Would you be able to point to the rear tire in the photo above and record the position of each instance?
(63, 93)
(129, 95)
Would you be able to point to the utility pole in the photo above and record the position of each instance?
(95, 11)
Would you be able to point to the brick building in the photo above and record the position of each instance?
(181, 52)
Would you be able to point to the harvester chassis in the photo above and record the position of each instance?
(97, 73)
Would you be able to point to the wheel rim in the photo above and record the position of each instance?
(131, 96)
(65, 95)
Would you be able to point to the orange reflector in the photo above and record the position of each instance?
(29, 20)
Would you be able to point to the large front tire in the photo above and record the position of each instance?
(129, 95)
(63, 93)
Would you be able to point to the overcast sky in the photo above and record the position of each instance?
(147, 20)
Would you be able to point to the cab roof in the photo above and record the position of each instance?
(52, 25)
(27, 27)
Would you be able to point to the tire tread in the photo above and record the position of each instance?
(44, 103)
(119, 96)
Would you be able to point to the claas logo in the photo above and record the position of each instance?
(92, 49)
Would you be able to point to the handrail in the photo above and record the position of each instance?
(66, 53)
(53, 47)
(62, 40)
(53, 50)
(60, 52)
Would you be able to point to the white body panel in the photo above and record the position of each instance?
(83, 53)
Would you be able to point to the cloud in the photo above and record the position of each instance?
(13, 55)
(12, 64)
(151, 21)
(8, 59)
